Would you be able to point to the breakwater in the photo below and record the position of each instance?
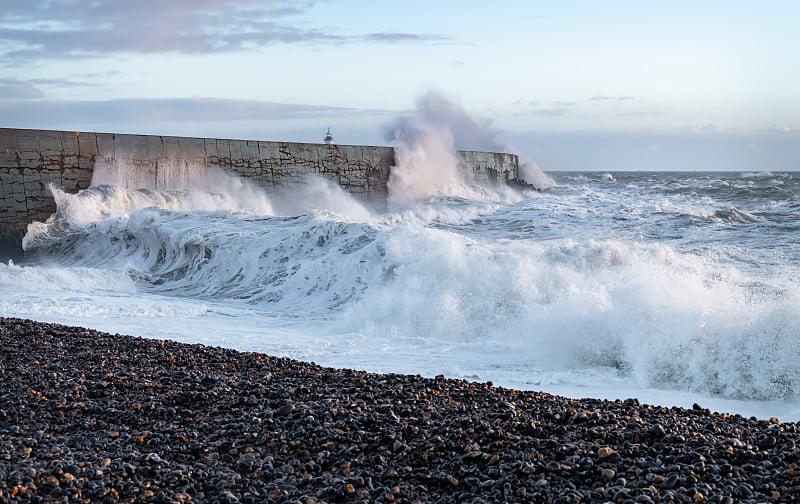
(30, 160)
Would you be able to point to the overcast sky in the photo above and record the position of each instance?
(572, 85)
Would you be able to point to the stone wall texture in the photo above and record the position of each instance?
(32, 159)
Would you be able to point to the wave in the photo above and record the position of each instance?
(101, 202)
(731, 215)
(665, 319)
(477, 276)
(761, 174)
(284, 261)
(735, 215)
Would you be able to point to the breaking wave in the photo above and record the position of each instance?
(480, 277)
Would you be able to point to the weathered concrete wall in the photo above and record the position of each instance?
(489, 168)
(32, 159)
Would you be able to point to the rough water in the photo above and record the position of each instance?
(673, 288)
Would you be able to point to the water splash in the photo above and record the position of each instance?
(425, 144)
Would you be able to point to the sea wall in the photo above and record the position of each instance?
(30, 160)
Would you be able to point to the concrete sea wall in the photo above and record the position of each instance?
(32, 159)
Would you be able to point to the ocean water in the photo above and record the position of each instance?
(674, 288)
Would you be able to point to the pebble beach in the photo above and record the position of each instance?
(87, 416)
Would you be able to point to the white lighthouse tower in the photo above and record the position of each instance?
(328, 137)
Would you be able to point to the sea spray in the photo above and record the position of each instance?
(662, 318)
(440, 124)
(425, 164)
(97, 203)
(637, 287)
(213, 189)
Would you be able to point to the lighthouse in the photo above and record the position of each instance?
(328, 137)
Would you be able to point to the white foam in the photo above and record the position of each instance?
(532, 293)
(569, 305)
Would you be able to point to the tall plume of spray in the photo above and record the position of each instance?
(425, 145)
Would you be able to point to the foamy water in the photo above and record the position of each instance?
(672, 288)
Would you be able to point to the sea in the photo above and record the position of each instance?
(673, 288)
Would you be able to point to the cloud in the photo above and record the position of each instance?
(550, 112)
(546, 112)
(643, 112)
(80, 29)
(597, 98)
(706, 128)
(61, 112)
(62, 83)
(395, 37)
(623, 106)
(778, 129)
(628, 106)
(712, 128)
(527, 108)
(36, 89)
(15, 89)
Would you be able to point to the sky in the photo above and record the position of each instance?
(572, 85)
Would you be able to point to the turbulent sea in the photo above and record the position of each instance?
(674, 288)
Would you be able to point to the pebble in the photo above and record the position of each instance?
(608, 474)
(87, 416)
